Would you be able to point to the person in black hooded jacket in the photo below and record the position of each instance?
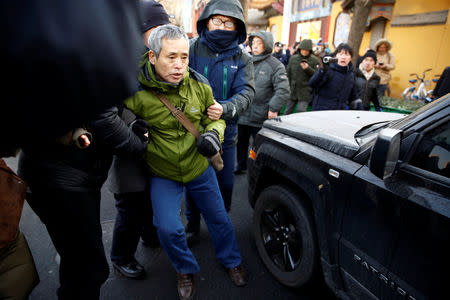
(367, 80)
(65, 183)
(334, 85)
(129, 180)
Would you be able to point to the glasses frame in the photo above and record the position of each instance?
(218, 22)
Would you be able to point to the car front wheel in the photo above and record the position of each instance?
(285, 236)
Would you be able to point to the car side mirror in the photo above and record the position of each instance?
(385, 153)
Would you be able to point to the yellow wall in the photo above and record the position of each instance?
(278, 20)
(407, 7)
(415, 48)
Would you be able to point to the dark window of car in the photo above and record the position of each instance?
(433, 151)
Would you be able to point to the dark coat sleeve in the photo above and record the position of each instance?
(111, 131)
(318, 78)
(355, 94)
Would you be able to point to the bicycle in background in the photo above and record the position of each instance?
(420, 92)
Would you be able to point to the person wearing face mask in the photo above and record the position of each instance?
(334, 85)
(367, 80)
(216, 55)
(272, 92)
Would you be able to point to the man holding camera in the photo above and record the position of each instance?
(302, 65)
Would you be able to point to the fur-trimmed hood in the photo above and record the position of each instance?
(383, 41)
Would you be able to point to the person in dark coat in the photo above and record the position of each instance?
(129, 179)
(301, 67)
(75, 43)
(272, 92)
(283, 55)
(334, 85)
(216, 54)
(367, 81)
(65, 183)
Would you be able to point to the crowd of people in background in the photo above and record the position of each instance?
(227, 84)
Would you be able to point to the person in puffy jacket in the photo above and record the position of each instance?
(229, 69)
(272, 92)
(65, 182)
(301, 67)
(177, 161)
(334, 85)
(367, 81)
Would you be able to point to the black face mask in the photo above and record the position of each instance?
(220, 40)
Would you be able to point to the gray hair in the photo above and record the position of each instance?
(169, 31)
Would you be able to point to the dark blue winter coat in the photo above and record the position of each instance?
(229, 71)
(334, 89)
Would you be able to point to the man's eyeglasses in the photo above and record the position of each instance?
(218, 22)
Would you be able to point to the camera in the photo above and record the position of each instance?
(329, 59)
(381, 63)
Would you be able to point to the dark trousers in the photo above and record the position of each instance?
(134, 219)
(382, 89)
(73, 223)
(244, 133)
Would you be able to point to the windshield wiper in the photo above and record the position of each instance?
(371, 128)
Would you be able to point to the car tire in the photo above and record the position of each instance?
(285, 236)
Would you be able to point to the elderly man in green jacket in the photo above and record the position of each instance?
(177, 161)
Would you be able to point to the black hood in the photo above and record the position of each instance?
(229, 8)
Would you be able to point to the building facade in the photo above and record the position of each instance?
(418, 30)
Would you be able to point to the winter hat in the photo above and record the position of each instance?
(152, 14)
(370, 53)
(383, 41)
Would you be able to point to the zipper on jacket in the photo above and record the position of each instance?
(225, 74)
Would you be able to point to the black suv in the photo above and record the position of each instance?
(359, 197)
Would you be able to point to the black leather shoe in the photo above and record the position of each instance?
(192, 231)
(238, 275)
(185, 286)
(132, 269)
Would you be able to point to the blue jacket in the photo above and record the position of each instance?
(334, 89)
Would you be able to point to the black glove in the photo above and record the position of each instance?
(208, 143)
(140, 127)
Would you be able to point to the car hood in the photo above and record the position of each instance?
(332, 130)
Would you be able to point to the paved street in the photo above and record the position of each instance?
(160, 283)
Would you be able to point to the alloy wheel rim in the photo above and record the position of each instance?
(281, 238)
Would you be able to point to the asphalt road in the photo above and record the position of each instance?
(160, 283)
